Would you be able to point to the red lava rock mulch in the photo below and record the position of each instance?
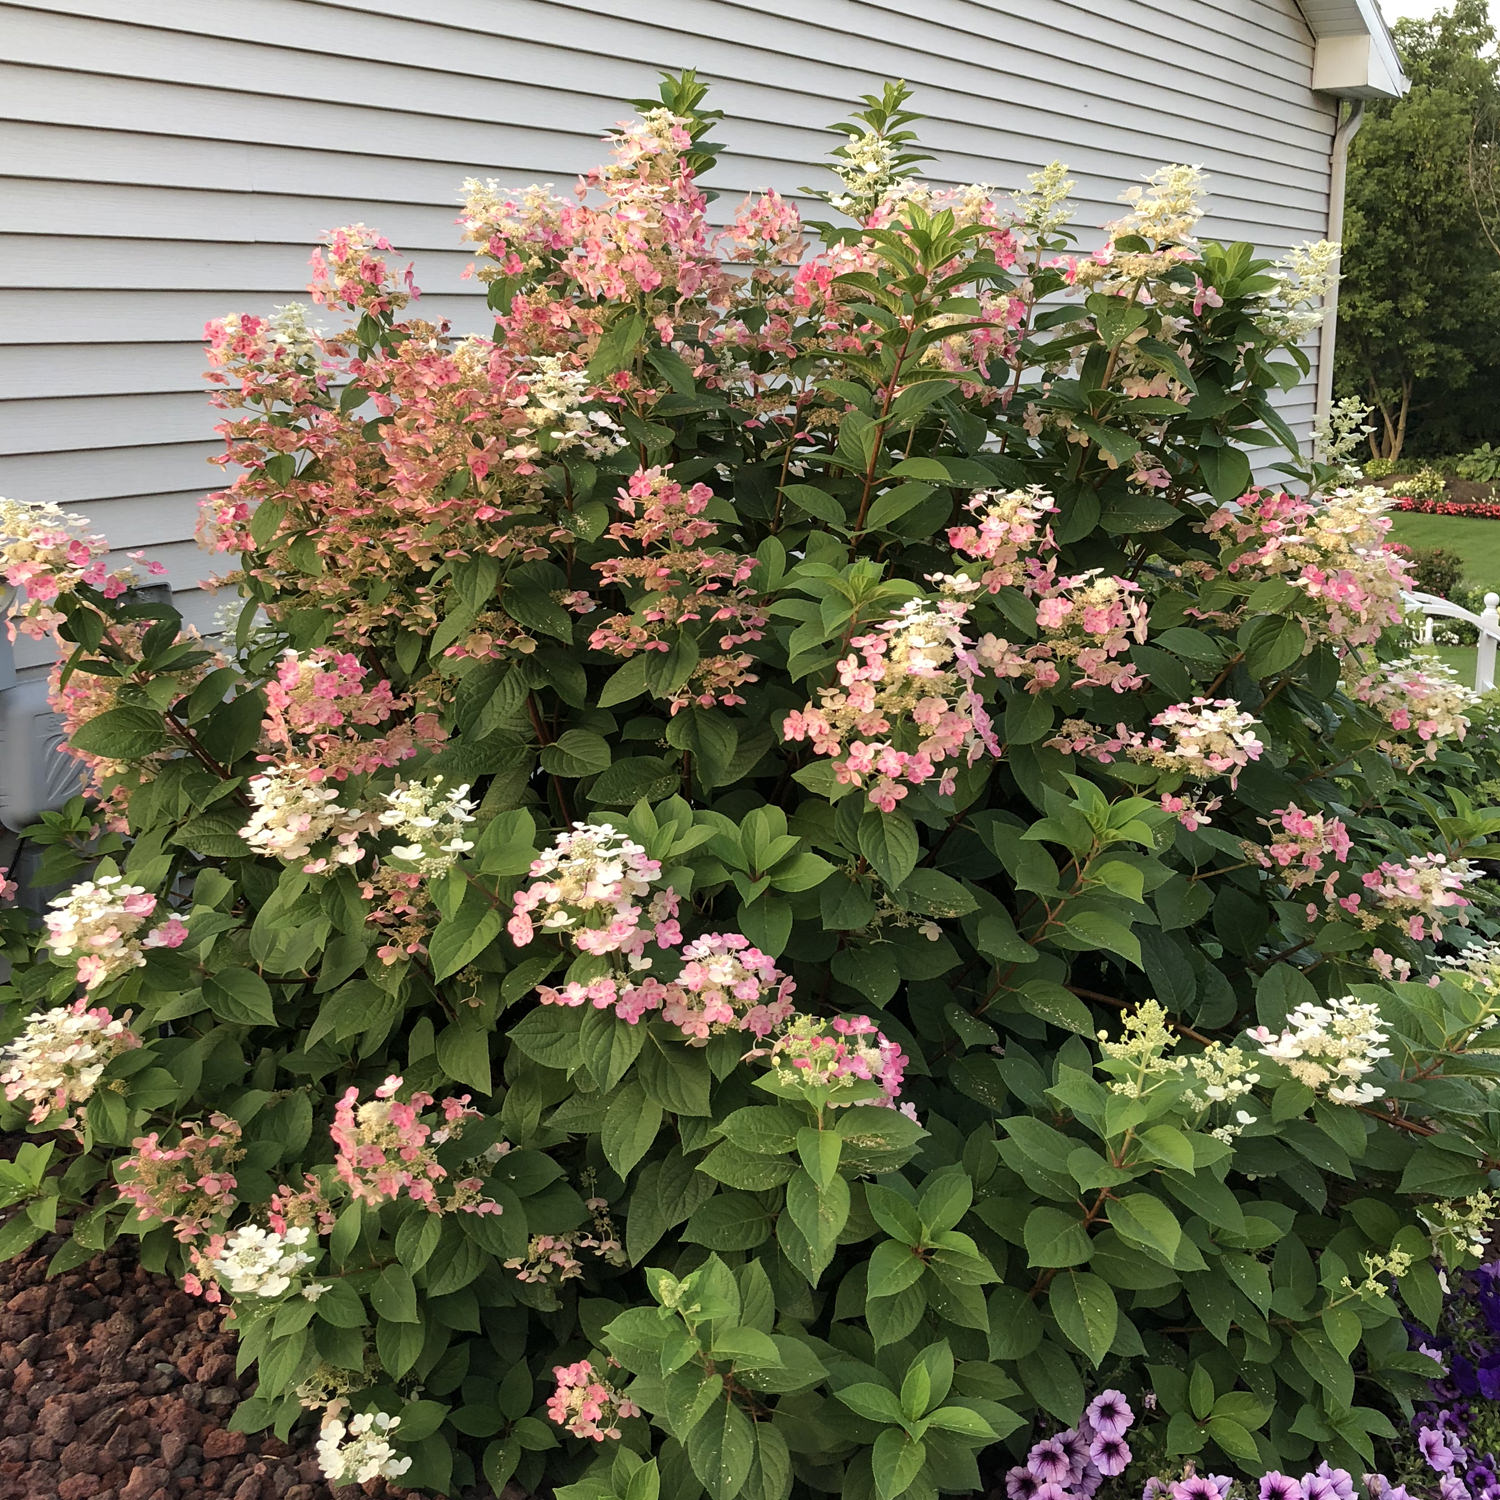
(116, 1385)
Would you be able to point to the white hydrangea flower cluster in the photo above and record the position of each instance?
(257, 1262)
(98, 923)
(361, 1450)
(431, 820)
(1331, 1048)
(1305, 276)
(55, 1063)
(1165, 208)
(553, 404)
(867, 168)
(290, 332)
(292, 813)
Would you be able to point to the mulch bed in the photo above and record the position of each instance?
(116, 1385)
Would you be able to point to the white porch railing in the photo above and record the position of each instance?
(1487, 622)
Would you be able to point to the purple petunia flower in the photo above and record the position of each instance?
(1052, 1491)
(1434, 1445)
(1076, 1446)
(1155, 1488)
(1109, 1454)
(1450, 1487)
(1109, 1414)
(1021, 1483)
(1339, 1481)
(1049, 1461)
(1275, 1486)
(1200, 1487)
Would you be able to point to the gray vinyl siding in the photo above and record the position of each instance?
(173, 160)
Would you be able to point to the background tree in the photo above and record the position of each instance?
(1421, 277)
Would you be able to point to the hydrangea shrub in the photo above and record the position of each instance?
(789, 879)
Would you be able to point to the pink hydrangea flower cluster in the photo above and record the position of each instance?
(1192, 812)
(585, 1405)
(385, 1147)
(685, 587)
(593, 886)
(1086, 622)
(630, 999)
(102, 925)
(57, 1060)
(904, 705)
(1424, 892)
(1202, 739)
(316, 706)
(1008, 526)
(1073, 1464)
(189, 1185)
(648, 238)
(1301, 846)
(44, 554)
(1332, 549)
(1419, 696)
(552, 1259)
(838, 1054)
(727, 984)
(349, 270)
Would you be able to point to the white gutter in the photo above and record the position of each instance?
(1338, 162)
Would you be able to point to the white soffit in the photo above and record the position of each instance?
(1355, 57)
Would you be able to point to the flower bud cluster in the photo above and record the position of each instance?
(1330, 1047)
(99, 923)
(56, 1061)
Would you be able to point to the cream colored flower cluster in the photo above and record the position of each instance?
(1331, 1048)
(431, 821)
(293, 812)
(557, 421)
(56, 1062)
(256, 1262)
(1305, 276)
(359, 1450)
(99, 923)
(867, 168)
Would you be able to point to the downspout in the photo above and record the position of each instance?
(1338, 163)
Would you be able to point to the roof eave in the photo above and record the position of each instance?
(1354, 56)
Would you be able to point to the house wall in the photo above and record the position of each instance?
(169, 161)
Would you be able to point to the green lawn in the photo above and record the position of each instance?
(1477, 541)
